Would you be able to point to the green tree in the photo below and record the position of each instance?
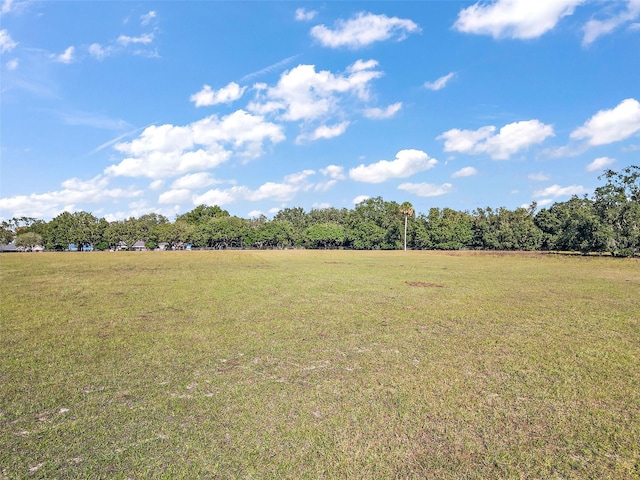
(448, 229)
(617, 204)
(202, 213)
(324, 235)
(407, 211)
(28, 240)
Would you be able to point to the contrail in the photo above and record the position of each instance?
(269, 69)
(117, 139)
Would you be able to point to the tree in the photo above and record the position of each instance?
(6, 233)
(324, 235)
(28, 240)
(447, 229)
(407, 210)
(202, 213)
(617, 204)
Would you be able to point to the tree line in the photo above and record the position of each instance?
(606, 222)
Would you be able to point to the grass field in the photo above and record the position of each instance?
(313, 364)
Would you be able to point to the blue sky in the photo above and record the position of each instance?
(127, 108)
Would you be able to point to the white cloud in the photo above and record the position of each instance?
(194, 181)
(608, 126)
(98, 51)
(522, 19)
(426, 189)
(276, 191)
(13, 64)
(538, 177)
(407, 163)
(440, 83)
(6, 6)
(304, 94)
(360, 199)
(305, 15)
(599, 164)
(465, 172)
(379, 113)
(542, 203)
(333, 171)
(156, 185)
(66, 57)
(511, 139)
(362, 30)
(324, 132)
(144, 39)
(74, 192)
(148, 17)
(6, 42)
(176, 196)
(299, 177)
(207, 97)
(596, 28)
(257, 213)
(167, 150)
(558, 191)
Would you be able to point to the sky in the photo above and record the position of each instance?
(126, 108)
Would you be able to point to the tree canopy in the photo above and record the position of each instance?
(608, 221)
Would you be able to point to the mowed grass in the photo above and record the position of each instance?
(313, 364)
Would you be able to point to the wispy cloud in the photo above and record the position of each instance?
(269, 69)
(440, 83)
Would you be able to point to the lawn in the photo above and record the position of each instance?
(319, 364)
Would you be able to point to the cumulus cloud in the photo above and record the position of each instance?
(406, 163)
(6, 42)
(426, 189)
(382, 113)
(360, 199)
(440, 83)
(305, 15)
(596, 28)
(207, 97)
(608, 126)
(512, 138)
(144, 39)
(267, 191)
(167, 150)
(599, 163)
(194, 180)
(74, 192)
(362, 30)
(558, 191)
(302, 93)
(324, 132)
(521, 19)
(333, 171)
(68, 56)
(176, 196)
(465, 172)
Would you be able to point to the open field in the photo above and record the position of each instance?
(313, 364)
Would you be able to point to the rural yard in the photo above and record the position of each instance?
(319, 364)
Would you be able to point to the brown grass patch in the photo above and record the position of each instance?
(424, 284)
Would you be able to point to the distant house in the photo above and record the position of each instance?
(38, 248)
(163, 246)
(8, 248)
(139, 246)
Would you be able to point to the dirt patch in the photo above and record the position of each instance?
(424, 284)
